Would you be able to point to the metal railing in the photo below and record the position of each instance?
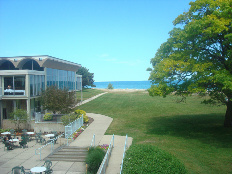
(125, 147)
(93, 141)
(39, 150)
(104, 164)
(73, 126)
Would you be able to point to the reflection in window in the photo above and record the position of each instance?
(61, 78)
(36, 84)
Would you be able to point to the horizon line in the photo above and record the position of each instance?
(124, 81)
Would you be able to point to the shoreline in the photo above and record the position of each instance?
(120, 90)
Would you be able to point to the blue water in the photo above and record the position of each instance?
(124, 84)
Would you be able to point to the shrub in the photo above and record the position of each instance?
(80, 113)
(110, 86)
(150, 159)
(48, 117)
(94, 159)
(66, 119)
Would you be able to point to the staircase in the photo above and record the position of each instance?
(70, 153)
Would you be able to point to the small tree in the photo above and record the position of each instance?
(19, 116)
(87, 77)
(110, 86)
(58, 100)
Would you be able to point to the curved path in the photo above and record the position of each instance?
(99, 127)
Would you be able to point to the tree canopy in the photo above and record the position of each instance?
(58, 100)
(87, 77)
(197, 57)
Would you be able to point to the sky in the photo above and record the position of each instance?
(114, 39)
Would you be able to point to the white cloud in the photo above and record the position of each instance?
(104, 55)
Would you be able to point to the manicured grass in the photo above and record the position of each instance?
(88, 93)
(191, 131)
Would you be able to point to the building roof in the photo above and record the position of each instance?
(43, 61)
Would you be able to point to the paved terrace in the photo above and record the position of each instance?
(27, 158)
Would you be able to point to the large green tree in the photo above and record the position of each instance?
(197, 57)
(87, 77)
(58, 100)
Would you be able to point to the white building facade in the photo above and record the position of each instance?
(23, 78)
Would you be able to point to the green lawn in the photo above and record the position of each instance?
(191, 131)
(88, 93)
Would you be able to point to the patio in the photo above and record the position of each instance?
(26, 157)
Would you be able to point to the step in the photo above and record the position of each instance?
(67, 159)
(70, 153)
(73, 150)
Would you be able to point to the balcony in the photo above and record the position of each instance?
(14, 92)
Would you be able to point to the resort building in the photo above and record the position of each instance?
(23, 78)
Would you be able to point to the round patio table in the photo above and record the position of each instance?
(14, 140)
(5, 133)
(50, 135)
(38, 169)
(30, 133)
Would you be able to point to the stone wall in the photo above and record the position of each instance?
(37, 127)
(7, 124)
(47, 127)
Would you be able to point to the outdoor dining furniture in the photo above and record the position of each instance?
(48, 165)
(38, 169)
(8, 145)
(5, 133)
(52, 137)
(16, 170)
(39, 138)
(24, 141)
(54, 132)
(13, 141)
(30, 134)
(12, 132)
(24, 131)
(49, 135)
(19, 170)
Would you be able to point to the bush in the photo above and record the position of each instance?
(94, 159)
(48, 117)
(66, 119)
(149, 159)
(110, 86)
(80, 113)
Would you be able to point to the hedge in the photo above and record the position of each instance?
(146, 159)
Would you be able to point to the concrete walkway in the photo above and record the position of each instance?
(90, 99)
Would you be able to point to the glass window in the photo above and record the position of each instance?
(8, 83)
(31, 85)
(43, 82)
(14, 85)
(19, 82)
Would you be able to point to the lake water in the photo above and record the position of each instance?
(124, 84)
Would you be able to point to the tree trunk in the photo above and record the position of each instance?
(228, 116)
